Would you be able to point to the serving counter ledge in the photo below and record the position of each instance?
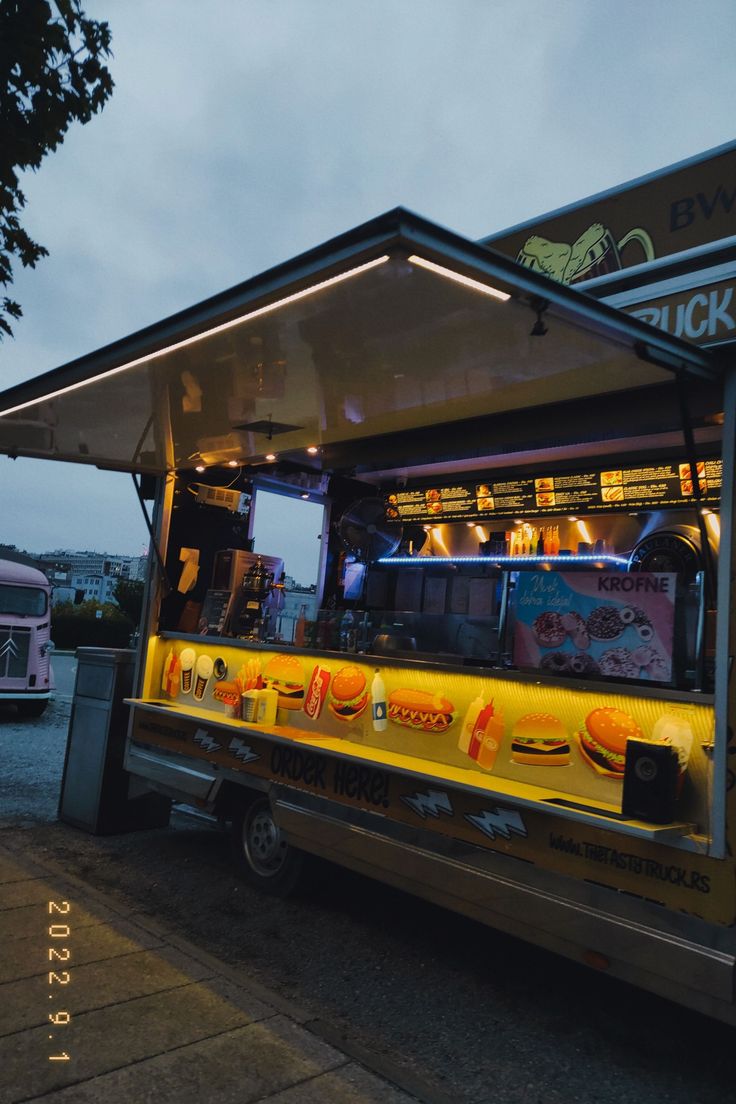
(522, 794)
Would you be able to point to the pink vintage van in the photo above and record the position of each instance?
(25, 643)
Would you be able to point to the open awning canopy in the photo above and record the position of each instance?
(392, 327)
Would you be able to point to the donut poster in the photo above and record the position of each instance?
(596, 624)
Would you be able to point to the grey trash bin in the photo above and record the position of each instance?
(94, 785)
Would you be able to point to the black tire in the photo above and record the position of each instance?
(261, 855)
(32, 708)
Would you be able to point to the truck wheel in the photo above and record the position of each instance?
(260, 852)
(32, 708)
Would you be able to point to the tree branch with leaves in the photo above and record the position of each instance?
(52, 73)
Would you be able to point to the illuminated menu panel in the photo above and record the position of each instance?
(641, 487)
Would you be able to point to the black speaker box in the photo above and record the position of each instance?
(651, 781)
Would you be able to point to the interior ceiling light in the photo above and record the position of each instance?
(200, 468)
(233, 464)
(458, 277)
(312, 450)
(271, 456)
(149, 357)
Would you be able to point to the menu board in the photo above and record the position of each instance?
(641, 487)
(596, 624)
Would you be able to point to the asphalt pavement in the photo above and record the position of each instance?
(99, 1001)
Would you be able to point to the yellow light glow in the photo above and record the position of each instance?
(584, 532)
(200, 468)
(258, 313)
(312, 450)
(458, 277)
(439, 541)
(481, 533)
(270, 456)
(233, 464)
(713, 522)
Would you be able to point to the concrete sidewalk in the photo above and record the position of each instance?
(152, 1017)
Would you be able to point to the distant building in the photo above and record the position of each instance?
(88, 576)
(95, 588)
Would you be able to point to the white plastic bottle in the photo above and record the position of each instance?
(268, 701)
(378, 700)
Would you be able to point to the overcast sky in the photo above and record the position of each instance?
(241, 132)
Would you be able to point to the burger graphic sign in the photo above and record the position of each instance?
(563, 739)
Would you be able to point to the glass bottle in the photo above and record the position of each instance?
(300, 627)
(347, 632)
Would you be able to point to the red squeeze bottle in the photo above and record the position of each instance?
(489, 733)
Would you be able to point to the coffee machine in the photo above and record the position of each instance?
(257, 598)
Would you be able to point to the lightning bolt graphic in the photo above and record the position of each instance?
(203, 738)
(431, 803)
(498, 822)
(241, 751)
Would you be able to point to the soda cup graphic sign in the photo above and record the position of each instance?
(316, 692)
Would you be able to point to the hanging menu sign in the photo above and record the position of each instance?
(653, 486)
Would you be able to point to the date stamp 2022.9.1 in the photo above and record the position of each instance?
(59, 951)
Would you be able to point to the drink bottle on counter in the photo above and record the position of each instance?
(300, 627)
(378, 700)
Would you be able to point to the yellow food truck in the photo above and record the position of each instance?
(511, 690)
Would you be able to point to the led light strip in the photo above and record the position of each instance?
(200, 336)
(458, 277)
(429, 560)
